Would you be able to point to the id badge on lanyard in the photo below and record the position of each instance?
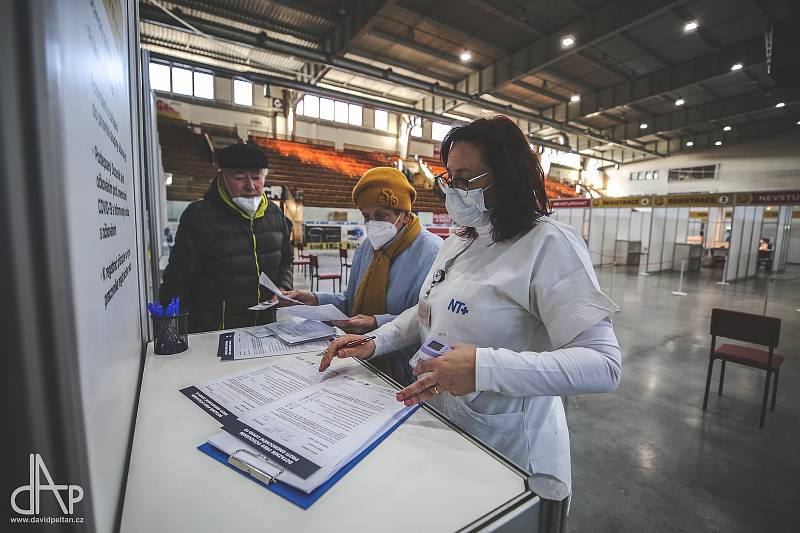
(424, 305)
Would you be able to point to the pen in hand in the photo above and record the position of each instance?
(351, 344)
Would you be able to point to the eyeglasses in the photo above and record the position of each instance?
(461, 185)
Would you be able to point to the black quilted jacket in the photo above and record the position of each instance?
(218, 255)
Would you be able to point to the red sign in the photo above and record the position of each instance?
(570, 202)
(769, 198)
(442, 218)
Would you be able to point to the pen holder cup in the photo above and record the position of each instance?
(170, 334)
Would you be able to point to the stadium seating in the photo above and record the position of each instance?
(184, 154)
(327, 176)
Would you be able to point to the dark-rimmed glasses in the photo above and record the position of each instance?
(461, 185)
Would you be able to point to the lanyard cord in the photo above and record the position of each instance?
(440, 274)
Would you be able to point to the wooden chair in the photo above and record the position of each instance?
(314, 267)
(756, 329)
(344, 264)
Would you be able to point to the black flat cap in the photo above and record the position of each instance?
(242, 156)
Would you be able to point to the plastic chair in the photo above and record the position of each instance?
(344, 264)
(756, 329)
(314, 266)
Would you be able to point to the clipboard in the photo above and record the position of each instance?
(272, 481)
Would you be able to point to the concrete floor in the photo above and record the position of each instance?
(647, 458)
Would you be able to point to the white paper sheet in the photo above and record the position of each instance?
(229, 444)
(268, 283)
(316, 312)
(329, 420)
(297, 330)
(258, 331)
(263, 305)
(247, 346)
(244, 391)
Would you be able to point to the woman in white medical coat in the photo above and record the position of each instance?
(515, 296)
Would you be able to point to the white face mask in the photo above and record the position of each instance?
(248, 205)
(470, 211)
(380, 232)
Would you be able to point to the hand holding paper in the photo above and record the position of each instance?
(264, 280)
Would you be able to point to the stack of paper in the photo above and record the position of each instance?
(296, 330)
(296, 424)
(236, 345)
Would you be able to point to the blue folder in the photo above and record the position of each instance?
(298, 497)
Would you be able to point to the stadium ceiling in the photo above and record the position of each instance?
(622, 80)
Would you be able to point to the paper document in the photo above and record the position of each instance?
(316, 312)
(239, 393)
(319, 425)
(258, 331)
(297, 330)
(236, 345)
(263, 305)
(229, 444)
(268, 283)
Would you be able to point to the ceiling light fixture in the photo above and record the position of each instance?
(575, 98)
(643, 126)
(567, 41)
(718, 143)
(691, 26)
(736, 66)
(780, 104)
(689, 143)
(465, 56)
(680, 101)
(726, 128)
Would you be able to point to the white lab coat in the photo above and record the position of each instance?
(514, 300)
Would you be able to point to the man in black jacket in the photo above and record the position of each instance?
(223, 243)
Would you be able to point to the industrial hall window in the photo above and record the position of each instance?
(644, 175)
(706, 172)
(181, 80)
(326, 109)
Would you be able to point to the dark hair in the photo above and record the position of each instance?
(520, 198)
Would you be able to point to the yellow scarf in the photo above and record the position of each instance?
(371, 292)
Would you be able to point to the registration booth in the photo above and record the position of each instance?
(91, 402)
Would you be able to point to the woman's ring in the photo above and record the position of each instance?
(436, 390)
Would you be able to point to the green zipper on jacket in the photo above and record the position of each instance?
(223, 192)
(258, 267)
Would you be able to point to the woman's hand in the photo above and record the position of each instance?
(362, 351)
(454, 372)
(359, 324)
(308, 298)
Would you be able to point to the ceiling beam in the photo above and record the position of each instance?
(540, 90)
(646, 49)
(595, 27)
(711, 113)
(261, 41)
(358, 21)
(242, 17)
(672, 79)
(423, 48)
(413, 18)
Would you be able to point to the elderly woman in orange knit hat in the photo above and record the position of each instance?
(389, 267)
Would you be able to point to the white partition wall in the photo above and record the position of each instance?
(655, 246)
(782, 234)
(670, 233)
(745, 235)
(643, 223)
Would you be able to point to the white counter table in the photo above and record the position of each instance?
(426, 476)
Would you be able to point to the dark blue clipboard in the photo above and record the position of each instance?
(298, 497)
